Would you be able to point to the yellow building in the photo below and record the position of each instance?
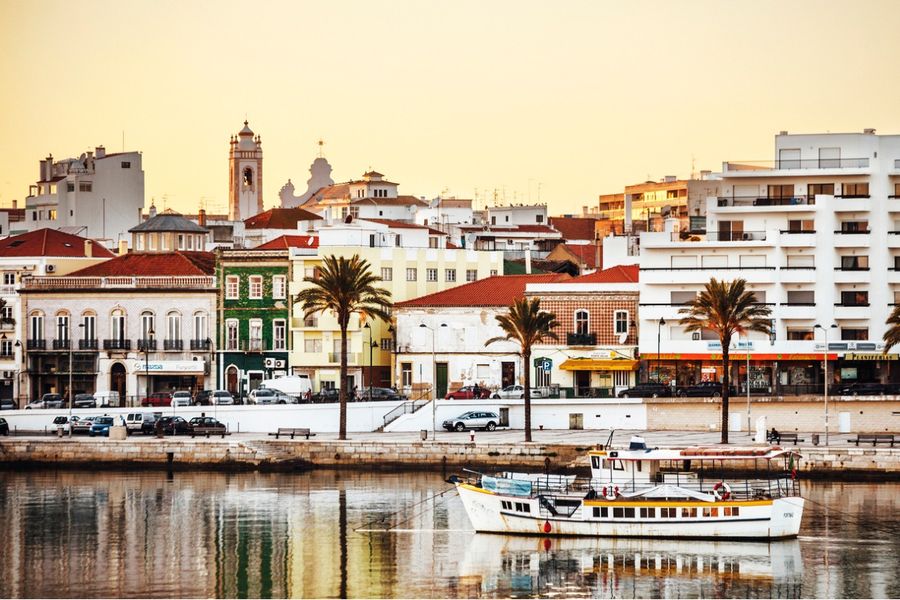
(412, 260)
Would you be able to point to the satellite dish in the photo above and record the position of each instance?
(623, 337)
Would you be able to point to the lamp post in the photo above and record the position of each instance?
(209, 346)
(433, 378)
(749, 430)
(392, 331)
(662, 322)
(825, 379)
(147, 342)
(372, 346)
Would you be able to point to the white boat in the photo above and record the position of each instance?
(643, 492)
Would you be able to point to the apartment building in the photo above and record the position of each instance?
(816, 234)
(644, 206)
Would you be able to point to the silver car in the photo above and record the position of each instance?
(474, 419)
(517, 391)
(182, 398)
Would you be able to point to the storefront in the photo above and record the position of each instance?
(601, 374)
(169, 375)
(868, 367)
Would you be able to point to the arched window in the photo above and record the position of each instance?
(582, 322)
(248, 177)
(62, 327)
(173, 329)
(89, 330)
(200, 326)
(117, 325)
(148, 324)
(35, 325)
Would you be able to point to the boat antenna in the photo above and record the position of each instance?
(609, 439)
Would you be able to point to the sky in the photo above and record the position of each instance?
(550, 101)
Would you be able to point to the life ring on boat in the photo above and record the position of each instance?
(725, 492)
(611, 493)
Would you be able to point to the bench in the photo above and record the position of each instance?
(207, 431)
(779, 437)
(292, 431)
(875, 438)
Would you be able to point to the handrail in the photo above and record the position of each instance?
(403, 409)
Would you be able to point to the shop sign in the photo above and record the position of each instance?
(610, 354)
(717, 346)
(168, 366)
(878, 356)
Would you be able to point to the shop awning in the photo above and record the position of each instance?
(735, 356)
(596, 364)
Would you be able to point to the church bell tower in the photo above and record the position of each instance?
(245, 194)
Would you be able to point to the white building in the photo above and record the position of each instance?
(816, 234)
(96, 195)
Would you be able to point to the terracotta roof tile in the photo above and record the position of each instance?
(280, 218)
(500, 290)
(586, 253)
(290, 241)
(153, 264)
(49, 242)
(574, 228)
(617, 274)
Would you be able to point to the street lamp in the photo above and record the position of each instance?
(825, 379)
(392, 331)
(433, 379)
(147, 343)
(747, 349)
(71, 397)
(372, 346)
(662, 322)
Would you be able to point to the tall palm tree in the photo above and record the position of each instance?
(527, 325)
(728, 309)
(892, 335)
(345, 286)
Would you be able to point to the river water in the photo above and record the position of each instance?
(344, 534)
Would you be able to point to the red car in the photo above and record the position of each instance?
(468, 393)
(157, 399)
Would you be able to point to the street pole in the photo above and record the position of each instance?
(147, 343)
(71, 399)
(825, 382)
(662, 322)
(749, 429)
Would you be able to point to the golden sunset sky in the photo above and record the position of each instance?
(581, 97)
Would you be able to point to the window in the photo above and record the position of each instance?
(668, 512)
(801, 261)
(6, 347)
(231, 334)
(542, 378)
(312, 346)
(648, 512)
(6, 314)
(450, 275)
(256, 287)
(164, 241)
(200, 321)
(855, 298)
(471, 274)
(601, 512)
(147, 322)
(852, 334)
(855, 227)
(279, 334)
(387, 274)
(9, 279)
(117, 324)
(311, 320)
(51, 214)
(801, 297)
(620, 512)
(232, 287)
(354, 212)
(398, 240)
(173, 326)
(411, 274)
(387, 344)
(538, 218)
(582, 322)
(62, 327)
(620, 321)
(854, 263)
(89, 329)
(802, 225)
(36, 326)
(780, 191)
(855, 190)
(279, 287)
(730, 231)
(819, 189)
(406, 374)
(681, 298)
(85, 186)
(126, 164)
(432, 242)
(493, 272)
(431, 275)
(70, 186)
(255, 335)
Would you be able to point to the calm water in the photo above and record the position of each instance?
(325, 534)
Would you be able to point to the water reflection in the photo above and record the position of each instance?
(338, 534)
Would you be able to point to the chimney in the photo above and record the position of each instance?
(15, 204)
(88, 248)
(100, 151)
(783, 132)
(201, 217)
(123, 247)
(152, 212)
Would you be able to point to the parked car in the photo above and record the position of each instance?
(174, 425)
(704, 389)
(474, 419)
(62, 422)
(47, 401)
(8, 404)
(646, 390)
(134, 422)
(860, 389)
(326, 395)
(82, 425)
(107, 398)
(4, 427)
(467, 392)
(268, 396)
(100, 426)
(207, 422)
(84, 401)
(517, 391)
(201, 398)
(157, 399)
(222, 398)
(182, 398)
(379, 393)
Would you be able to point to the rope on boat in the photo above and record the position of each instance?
(382, 520)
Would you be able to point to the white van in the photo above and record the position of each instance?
(297, 386)
(134, 422)
(107, 399)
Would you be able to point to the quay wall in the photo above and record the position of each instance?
(831, 462)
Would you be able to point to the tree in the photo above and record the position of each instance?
(345, 286)
(892, 335)
(727, 309)
(527, 325)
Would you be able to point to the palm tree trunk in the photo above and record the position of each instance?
(526, 357)
(726, 388)
(343, 384)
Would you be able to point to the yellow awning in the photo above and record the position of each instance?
(595, 364)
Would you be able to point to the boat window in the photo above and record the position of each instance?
(668, 513)
(595, 462)
(629, 513)
(618, 512)
(648, 513)
(506, 505)
(617, 465)
(711, 512)
(690, 512)
(732, 511)
(639, 465)
(523, 507)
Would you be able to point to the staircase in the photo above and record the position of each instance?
(404, 409)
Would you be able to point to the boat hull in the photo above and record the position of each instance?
(491, 512)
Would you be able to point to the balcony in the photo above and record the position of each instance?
(701, 275)
(173, 345)
(893, 239)
(852, 275)
(844, 238)
(653, 311)
(61, 344)
(581, 339)
(193, 282)
(852, 311)
(353, 358)
(791, 203)
(751, 168)
(789, 274)
(87, 344)
(201, 345)
(796, 310)
(7, 324)
(36, 344)
(798, 239)
(145, 345)
(117, 344)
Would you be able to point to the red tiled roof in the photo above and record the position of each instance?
(153, 264)
(617, 274)
(586, 253)
(290, 241)
(280, 218)
(574, 228)
(50, 242)
(500, 290)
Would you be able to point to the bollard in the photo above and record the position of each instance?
(472, 436)
(423, 434)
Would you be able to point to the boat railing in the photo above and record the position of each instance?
(738, 489)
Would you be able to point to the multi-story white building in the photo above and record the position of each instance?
(96, 195)
(816, 234)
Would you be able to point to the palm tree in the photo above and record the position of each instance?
(344, 287)
(527, 325)
(728, 309)
(892, 335)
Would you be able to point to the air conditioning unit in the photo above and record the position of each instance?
(270, 363)
(279, 364)
(51, 268)
(746, 236)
